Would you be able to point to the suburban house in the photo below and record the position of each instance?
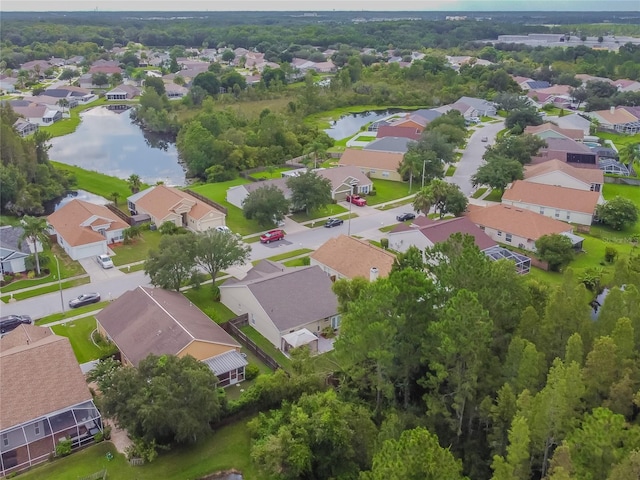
(349, 257)
(84, 229)
(382, 165)
(618, 119)
(24, 128)
(344, 180)
(36, 113)
(568, 151)
(169, 204)
(515, 226)
(425, 233)
(154, 321)
(286, 305)
(104, 68)
(526, 83)
(574, 122)
(123, 92)
(625, 85)
(389, 145)
(13, 251)
(174, 91)
(8, 84)
(471, 107)
(549, 130)
(413, 133)
(560, 203)
(44, 398)
(82, 95)
(555, 172)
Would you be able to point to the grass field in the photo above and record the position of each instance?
(99, 183)
(388, 190)
(619, 140)
(235, 219)
(632, 192)
(450, 171)
(478, 193)
(494, 196)
(266, 345)
(330, 210)
(71, 312)
(69, 125)
(138, 250)
(226, 448)
(132, 268)
(48, 289)
(277, 173)
(79, 334)
(296, 262)
(284, 256)
(203, 299)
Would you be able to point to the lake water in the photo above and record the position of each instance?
(109, 142)
(350, 124)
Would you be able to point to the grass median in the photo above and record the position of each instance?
(48, 289)
(71, 312)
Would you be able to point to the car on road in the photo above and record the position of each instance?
(333, 222)
(11, 322)
(84, 299)
(356, 200)
(484, 139)
(104, 261)
(403, 217)
(272, 236)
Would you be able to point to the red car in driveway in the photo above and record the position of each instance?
(356, 200)
(272, 236)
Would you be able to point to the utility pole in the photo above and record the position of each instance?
(424, 167)
(59, 282)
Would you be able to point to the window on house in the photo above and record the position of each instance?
(5, 440)
(335, 321)
(253, 319)
(541, 211)
(37, 429)
(568, 215)
(385, 174)
(557, 213)
(482, 227)
(499, 233)
(595, 187)
(507, 237)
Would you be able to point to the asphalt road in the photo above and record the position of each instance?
(472, 156)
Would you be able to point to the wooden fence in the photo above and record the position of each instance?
(232, 327)
(206, 200)
(119, 213)
(136, 462)
(101, 475)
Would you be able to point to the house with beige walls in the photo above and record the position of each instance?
(155, 321)
(382, 165)
(555, 172)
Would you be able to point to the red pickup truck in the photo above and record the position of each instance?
(356, 200)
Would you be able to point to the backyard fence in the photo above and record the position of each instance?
(119, 213)
(101, 475)
(136, 462)
(233, 328)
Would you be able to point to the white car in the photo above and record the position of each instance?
(104, 261)
(223, 229)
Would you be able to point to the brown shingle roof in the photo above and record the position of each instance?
(23, 335)
(371, 159)
(354, 258)
(153, 320)
(38, 379)
(620, 116)
(160, 200)
(551, 196)
(292, 297)
(518, 221)
(574, 134)
(68, 219)
(440, 231)
(587, 175)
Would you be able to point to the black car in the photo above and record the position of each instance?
(84, 299)
(10, 322)
(333, 222)
(405, 216)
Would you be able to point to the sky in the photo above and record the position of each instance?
(317, 5)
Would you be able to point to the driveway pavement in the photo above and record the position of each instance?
(97, 273)
(472, 156)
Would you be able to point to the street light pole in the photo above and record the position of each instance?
(349, 229)
(424, 167)
(59, 282)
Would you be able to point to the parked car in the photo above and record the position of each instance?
(104, 261)
(356, 200)
(333, 222)
(223, 229)
(484, 139)
(84, 299)
(272, 236)
(10, 322)
(405, 216)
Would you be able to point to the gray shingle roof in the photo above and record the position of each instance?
(10, 238)
(390, 144)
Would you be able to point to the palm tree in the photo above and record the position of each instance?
(423, 200)
(318, 149)
(115, 196)
(134, 183)
(64, 103)
(410, 166)
(35, 231)
(630, 154)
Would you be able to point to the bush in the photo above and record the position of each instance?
(106, 431)
(306, 261)
(63, 448)
(384, 243)
(610, 254)
(372, 192)
(31, 274)
(98, 437)
(251, 371)
(147, 451)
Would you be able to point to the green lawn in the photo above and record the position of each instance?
(203, 299)
(71, 312)
(9, 220)
(478, 193)
(494, 196)
(235, 219)
(69, 125)
(226, 448)
(450, 171)
(79, 334)
(619, 140)
(284, 256)
(48, 289)
(277, 173)
(632, 192)
(133, 268)
(138, 250)
(296, 262)
(26, 283)
(330, 210)
(98, 183)
(388, 190)
(266, 345)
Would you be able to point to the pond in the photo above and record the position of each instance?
(107, 141)
(351, 123)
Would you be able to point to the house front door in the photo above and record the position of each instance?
(233, 377)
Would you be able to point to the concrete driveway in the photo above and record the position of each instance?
(472, 156)
(97, 273)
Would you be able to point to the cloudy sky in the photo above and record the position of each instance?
(291, 5)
